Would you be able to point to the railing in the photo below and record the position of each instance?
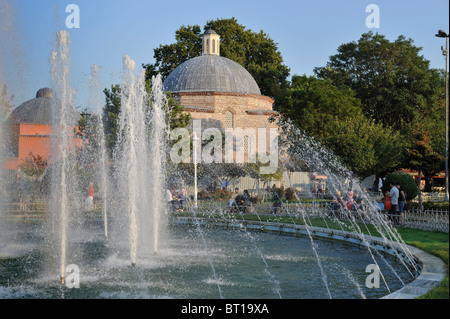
(429, 219)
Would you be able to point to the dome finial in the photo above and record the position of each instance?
(44, 92)
(211, 43)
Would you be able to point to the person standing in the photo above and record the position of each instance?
(394, 193)
(401, 203)
(89, 202)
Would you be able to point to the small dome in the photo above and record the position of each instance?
(44, 109)
(210, 31)
(211, 73)
(44, 92)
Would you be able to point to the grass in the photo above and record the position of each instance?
(435, 243)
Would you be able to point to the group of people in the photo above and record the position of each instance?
(177, 199)
(396, 197)
(240, 202)
(352, 202)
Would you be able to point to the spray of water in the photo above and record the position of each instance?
(63, 147)
(99, 142)
(140, 157)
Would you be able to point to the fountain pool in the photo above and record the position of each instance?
(181, 269)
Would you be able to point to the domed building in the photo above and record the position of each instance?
(218, 91)
(30, 127)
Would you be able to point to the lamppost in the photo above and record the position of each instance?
(195, 141)
(443, 34)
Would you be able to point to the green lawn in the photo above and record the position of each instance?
(436, 243)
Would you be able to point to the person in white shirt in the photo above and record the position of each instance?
(393, 193)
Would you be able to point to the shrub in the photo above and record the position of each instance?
(290, 194)
(435, 205)
(408, 183)
(278, 193)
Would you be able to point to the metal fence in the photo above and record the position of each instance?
(429, 219)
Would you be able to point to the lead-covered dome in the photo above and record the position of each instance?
(43, 109)
(211, 73)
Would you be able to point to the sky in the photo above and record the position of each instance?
(307, 33)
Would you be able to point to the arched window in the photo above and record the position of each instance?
(228, 119)
(213, 46)
(207, 46)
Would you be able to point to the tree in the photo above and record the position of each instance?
(335, 117)
(394, 83)
(389, 147)
(111, 112)
(406, 181)
(315, 104)
(174, 113)
(350, 140)
(255, 51)
(188, 45)
(423, 158)
(35, 166)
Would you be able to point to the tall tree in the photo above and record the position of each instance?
(315, 104)
(393, 81)
(423, 157)
(188, 45)
(366, 147)
(255, 51)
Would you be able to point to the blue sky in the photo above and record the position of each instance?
(307, 33)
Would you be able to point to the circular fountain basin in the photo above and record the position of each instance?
(229, 263)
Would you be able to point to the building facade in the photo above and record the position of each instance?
(31, 128)
(219, 92)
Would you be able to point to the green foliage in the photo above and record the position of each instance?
(278, 193)
(255, 51)
(422, 157)
(430, 205)
(351, 141)
(290, 193)
(111, 112)
(407, 182)
(33, 165)
(174, 113)
(393, 82)
(217, 195)
(315, 104)
(188, 45)
(397, 89)
(365, 146)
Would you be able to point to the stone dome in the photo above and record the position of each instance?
(41, 109)
(211, 73)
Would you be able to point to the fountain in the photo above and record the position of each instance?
(139, 159)
(135, 248)
(168, 258)
(97, 142)
(63, 148)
